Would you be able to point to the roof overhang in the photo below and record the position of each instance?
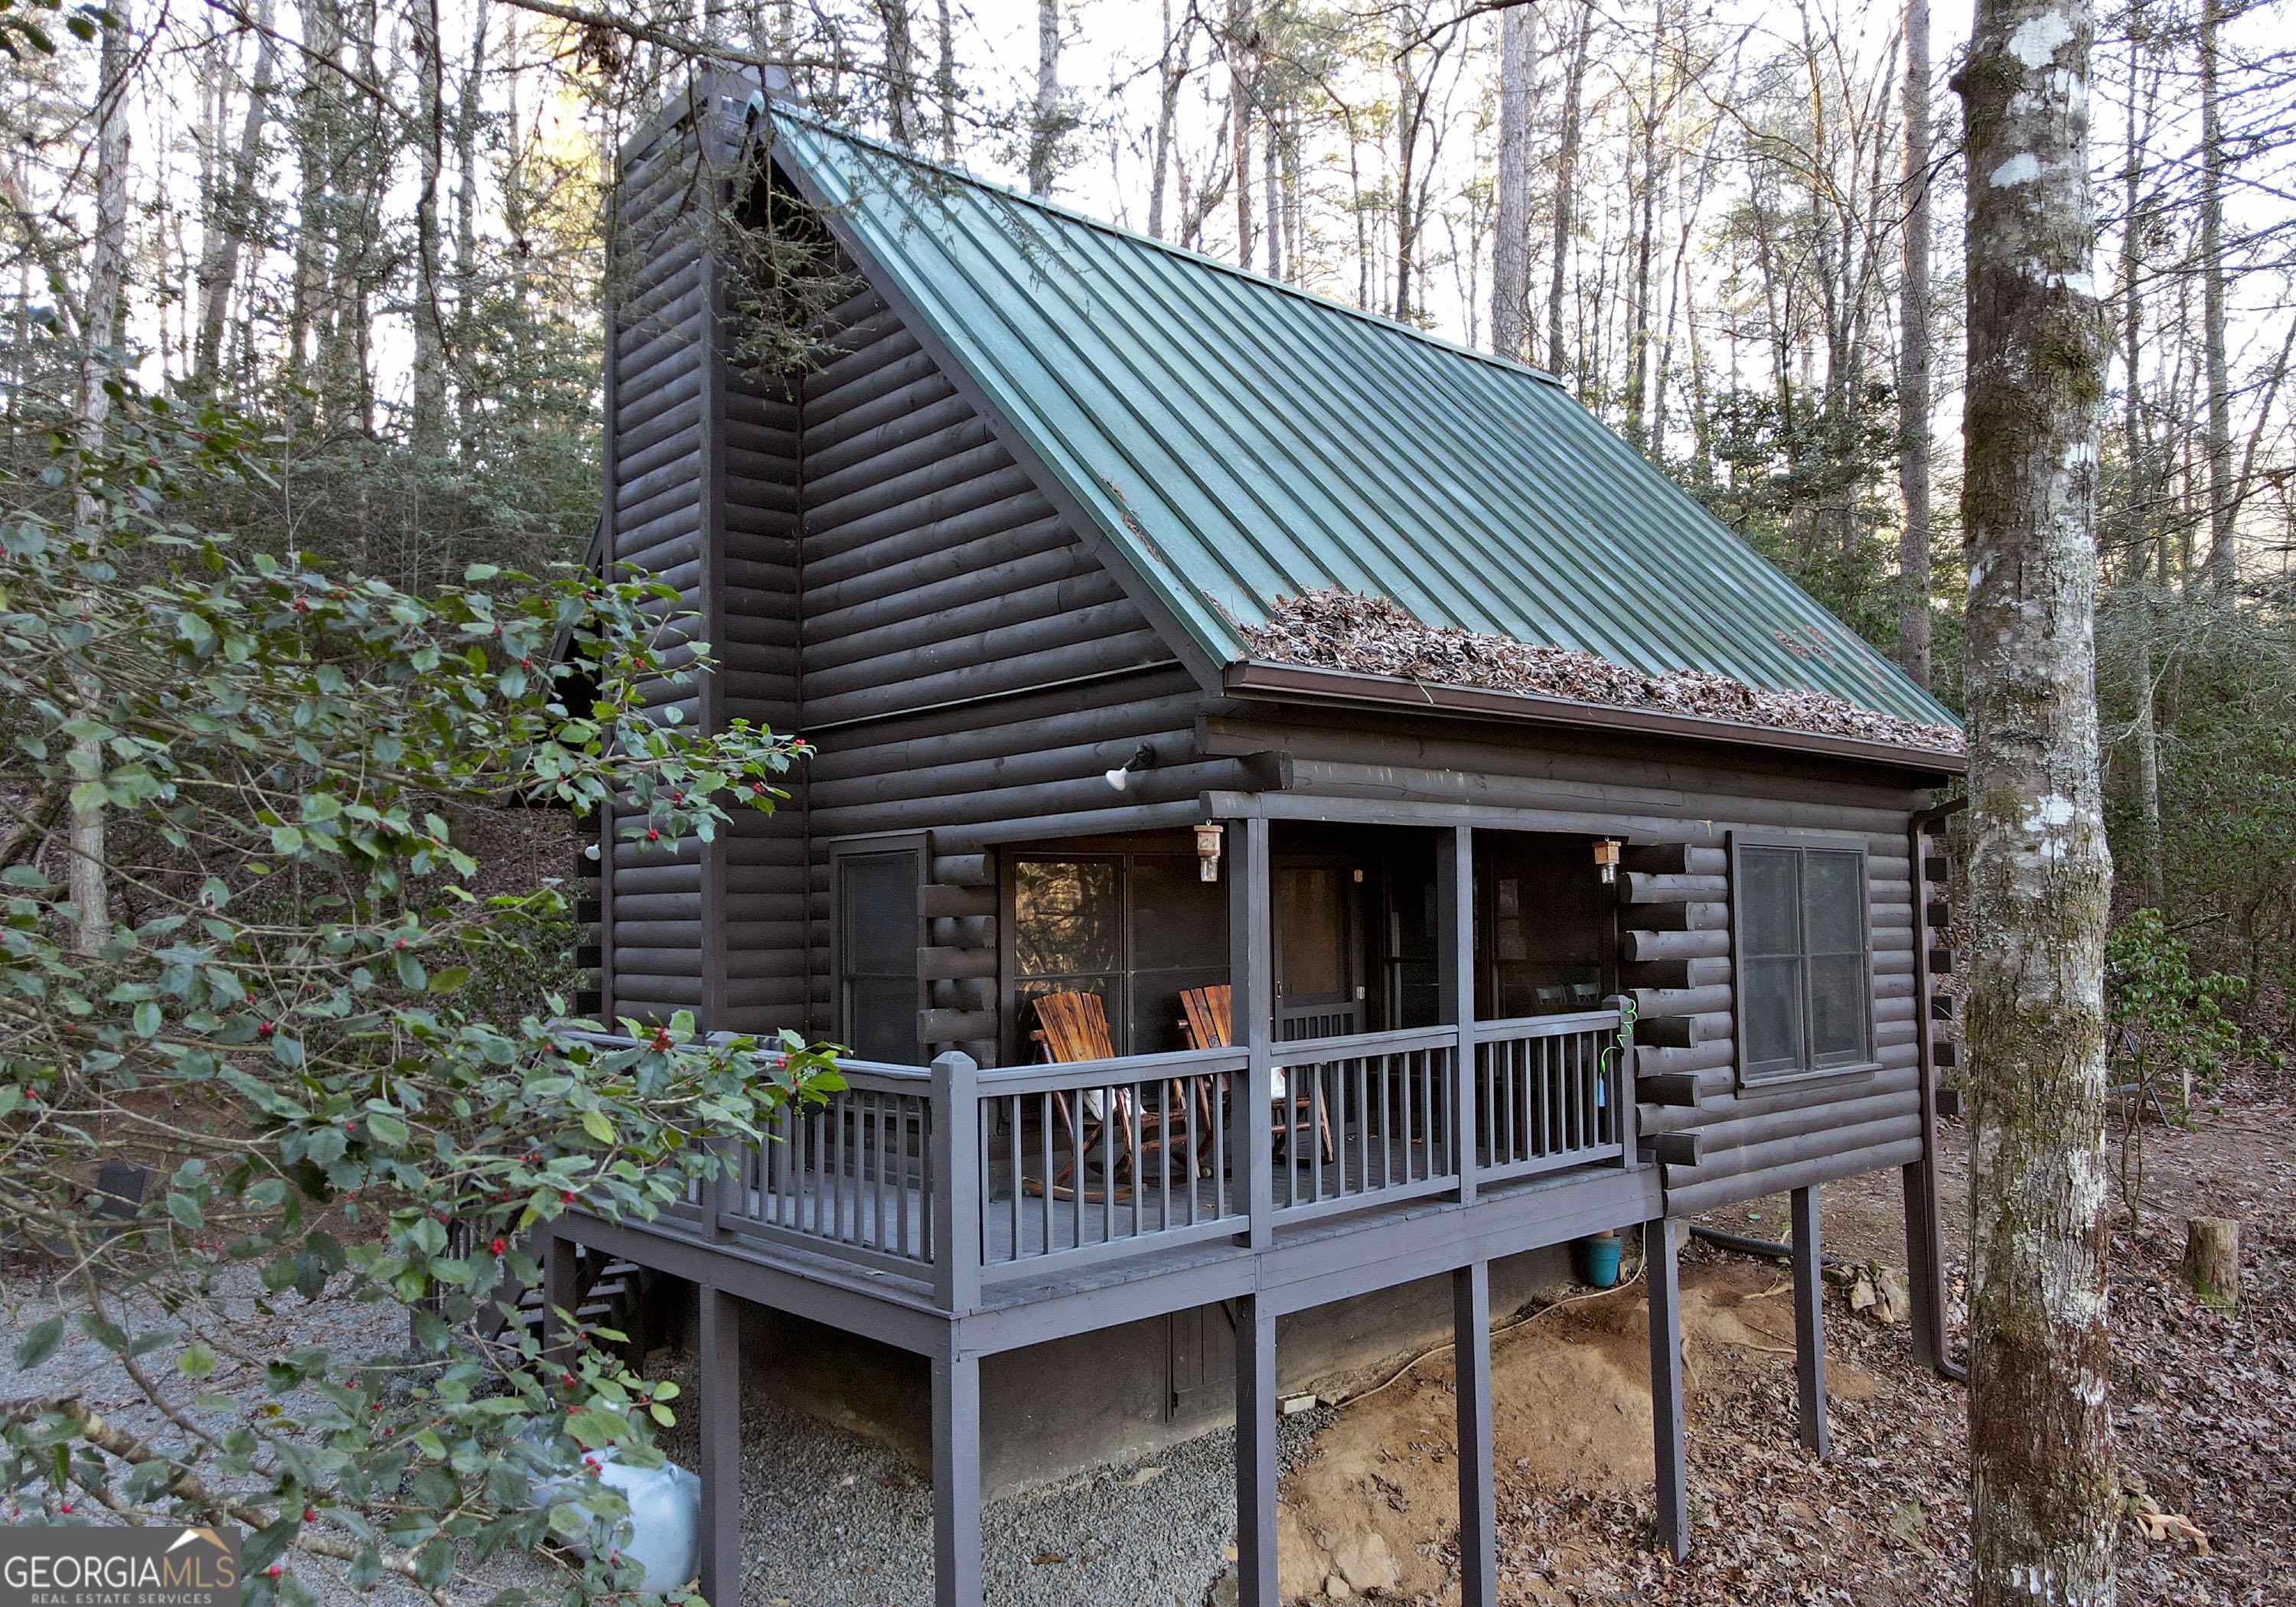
(1298, 683)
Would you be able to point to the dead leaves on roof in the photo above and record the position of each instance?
(1343, 630)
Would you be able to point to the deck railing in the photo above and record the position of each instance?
(962, 1178)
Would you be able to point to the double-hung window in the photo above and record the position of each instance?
(874, 946)
(1803, 964)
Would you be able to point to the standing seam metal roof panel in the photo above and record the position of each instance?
(1240, 440)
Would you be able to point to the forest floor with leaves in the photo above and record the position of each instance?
(2204, 1404)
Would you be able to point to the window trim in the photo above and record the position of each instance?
(1800, 844)
(918, 846)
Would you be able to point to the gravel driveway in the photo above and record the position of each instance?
(828, 1519)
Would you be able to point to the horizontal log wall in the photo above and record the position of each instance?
(659, 520)
(760, 919)
(968, 668)
(1675, 816)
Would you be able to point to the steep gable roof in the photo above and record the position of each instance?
(1240, 441)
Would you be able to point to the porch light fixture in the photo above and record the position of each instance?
(1121, 778)
(1606, 859)
(1208, 851)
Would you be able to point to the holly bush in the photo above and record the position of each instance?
(263, 758)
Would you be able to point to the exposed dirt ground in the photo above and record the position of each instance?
(2205, 1404)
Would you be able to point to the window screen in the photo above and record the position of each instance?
(877, 955)
(1133, 927)
(1804, 989)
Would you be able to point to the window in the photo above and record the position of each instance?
(876, 945)
(1133, 927)
(1803, 970)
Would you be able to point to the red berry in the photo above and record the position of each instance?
(265, 1028)
(497, 1244)
(653, 834)
(566, 1195)
(67, 1506)
(310, 1514)
(273, 1570)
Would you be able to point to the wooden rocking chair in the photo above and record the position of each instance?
(1209, 1024)
(1073, 1027)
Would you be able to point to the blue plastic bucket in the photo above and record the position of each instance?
(1598, 1260)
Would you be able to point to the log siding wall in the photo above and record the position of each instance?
(660, 517)
(970, 668)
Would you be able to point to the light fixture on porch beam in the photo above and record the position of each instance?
(1121, 778)
(1208, 850)
(1606, 859)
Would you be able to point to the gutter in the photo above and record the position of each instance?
(1261, 678)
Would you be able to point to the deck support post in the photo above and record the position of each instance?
(1455, 932)
(1662, 1273)
(1256, 1410)
(1470, 1332)
(717, 1341)
(956, 1478)
(1251, 1011)
(1809, 1321)
(1925, 1258)
(560, 1292)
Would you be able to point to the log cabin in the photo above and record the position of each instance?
(1303, 821)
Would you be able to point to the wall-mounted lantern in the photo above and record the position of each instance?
(1208, 851)
(1606, 859)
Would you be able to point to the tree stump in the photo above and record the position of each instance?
(2212, 1259)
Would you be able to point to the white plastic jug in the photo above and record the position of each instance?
(665, 1517)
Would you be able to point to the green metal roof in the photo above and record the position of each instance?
(1240, 440)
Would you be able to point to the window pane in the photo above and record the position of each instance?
(881, 914)
(1772, 1001)
(1178, 917)
(881, 1015)
(1310, 925)
(1837, 999)
(1156, 1009)
(1766, 922)
(1829, 896)
(1067, 917)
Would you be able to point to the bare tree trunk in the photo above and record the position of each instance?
(2145, 731)
(467, 117)
(945, 84)
(1294, 242)
(1271, 169)
(100, 337)
(227, 233)
(1510, 244)
(429, 375)
(1638, 317)
(1241, 39)
(2224, 569)
(1410, 110)
(1170, 75)
(2043, 1485)
(1044, 128)
(1914, 358)
(901, 111)
(1566, 174)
